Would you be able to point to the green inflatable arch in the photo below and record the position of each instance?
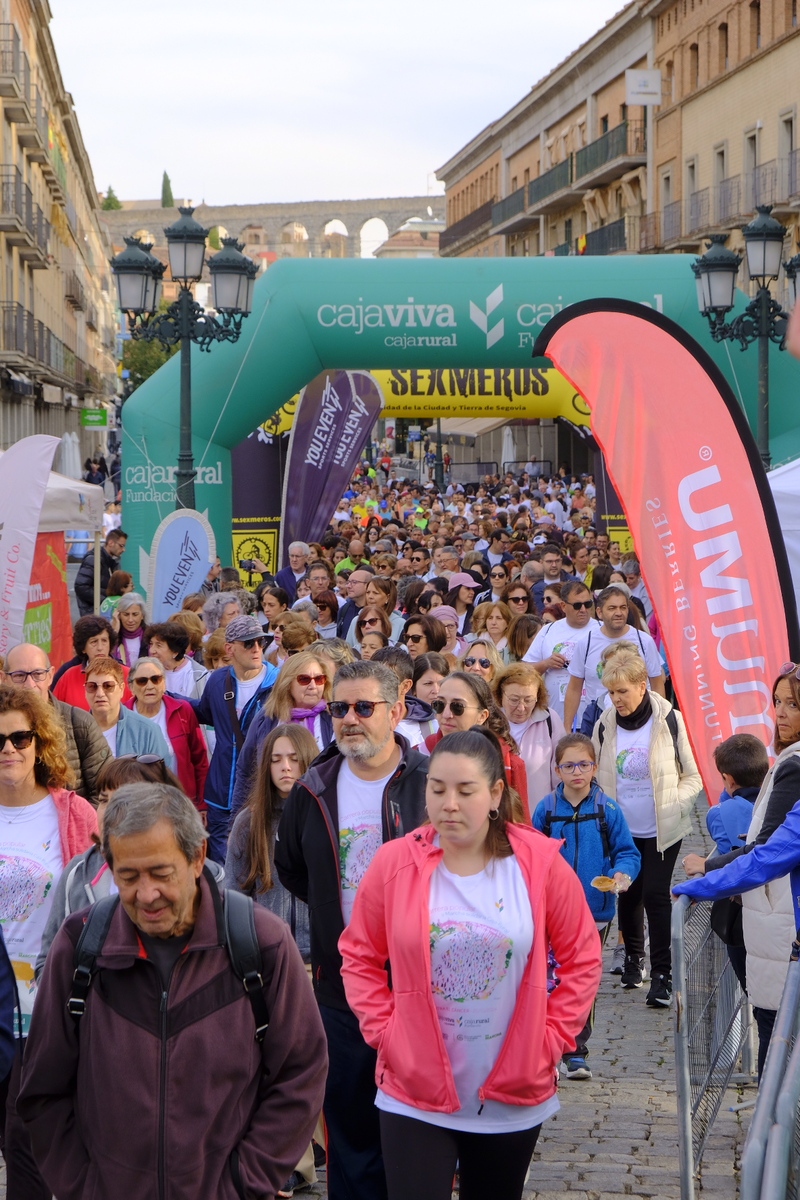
(313, 314)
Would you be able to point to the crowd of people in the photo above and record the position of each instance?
(435, 757)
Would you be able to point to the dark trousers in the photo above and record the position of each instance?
(217, 823)
(649, 893)
(355, 1163)
(421, 1160)
(23, 1181)
(738, 959)
(765, 1021)
(581, 1047)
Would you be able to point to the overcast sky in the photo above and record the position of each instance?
(252, 101)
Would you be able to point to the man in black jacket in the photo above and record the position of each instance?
(363, 790)
(110, 555)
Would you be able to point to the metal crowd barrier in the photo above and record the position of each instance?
(771, 1155)
(712, 1031)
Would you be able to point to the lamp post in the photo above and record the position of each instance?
(139, 275)
(763, 320)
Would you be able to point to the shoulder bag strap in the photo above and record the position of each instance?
(229, 696)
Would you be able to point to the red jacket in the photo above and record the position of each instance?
(189, 745)
(516, 774)
(77, 821)
(390, 921)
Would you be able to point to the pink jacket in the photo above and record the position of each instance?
(537, 748)
(77, 821)
(390, 921)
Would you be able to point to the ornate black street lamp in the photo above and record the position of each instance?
(763, 320)
(139, 274)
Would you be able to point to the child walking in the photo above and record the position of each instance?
(596, 842)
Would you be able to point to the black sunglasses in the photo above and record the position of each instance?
(20, 739)
(470, 662)
(580, 603)
(412, 637)
(362, 708)
(457, 707)
(258, 641)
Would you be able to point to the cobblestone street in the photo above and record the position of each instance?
(616, 1134)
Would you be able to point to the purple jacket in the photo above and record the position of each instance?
(172, 1100)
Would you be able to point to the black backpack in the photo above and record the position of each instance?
(240, 942)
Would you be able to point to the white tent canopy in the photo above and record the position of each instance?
(785, 484)
(71, 504)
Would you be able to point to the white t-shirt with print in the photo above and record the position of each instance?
(585, 662)
(634, 785)
(481, 934)
(559, 637)
(360, 802)
(30, 866)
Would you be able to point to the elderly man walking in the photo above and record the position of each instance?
(153, 1072)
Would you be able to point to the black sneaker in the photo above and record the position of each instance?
(660, 994)
(632, 973)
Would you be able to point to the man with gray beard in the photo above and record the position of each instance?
(367, 787)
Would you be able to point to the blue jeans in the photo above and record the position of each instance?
(355, 1161)
(217, 822)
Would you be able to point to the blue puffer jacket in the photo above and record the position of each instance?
(583, 843)
(212, 709)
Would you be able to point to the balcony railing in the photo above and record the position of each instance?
(698, 210)
(466, 225)
(33, 134)
(508, 207)
(91, 317)
(793, 173)
(74, 292)
(650, 232)
(728, 206)
(21, 333)
(15, 74)
(562, 250)
(613, 238)
(558, 177)
(626, 140)
(671, 221)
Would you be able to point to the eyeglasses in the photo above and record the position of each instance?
(107, 687)
(362, 708)
(572, 767)
(497, 575)
(305, 680)
(413, 637)
(418, 558)
(279, 628)
(143, 679)
(20, 739)
(580, 603)
(38, 675)
(517, 599)
(484, 662)
(258, 641)
(370, 621)
(457, 707)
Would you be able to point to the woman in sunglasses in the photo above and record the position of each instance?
(464, 700)
(372, 618)
(86, 877)
(481, 658)
(125, 731)
(499, 579)
(328, 607)
(176, 720)
(536, 728)
(42, 826)
(423, 635)
(490, 621)
(299, 696)
(518, 599)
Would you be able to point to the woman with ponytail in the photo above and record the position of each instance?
(465, 908)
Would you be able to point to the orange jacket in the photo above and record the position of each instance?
(390, 921)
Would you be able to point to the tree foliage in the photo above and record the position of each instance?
(110, 201)
(143, 359)
(166, 192)
(213, 238)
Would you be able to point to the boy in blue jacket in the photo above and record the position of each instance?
(597, 841)
(742, 762)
